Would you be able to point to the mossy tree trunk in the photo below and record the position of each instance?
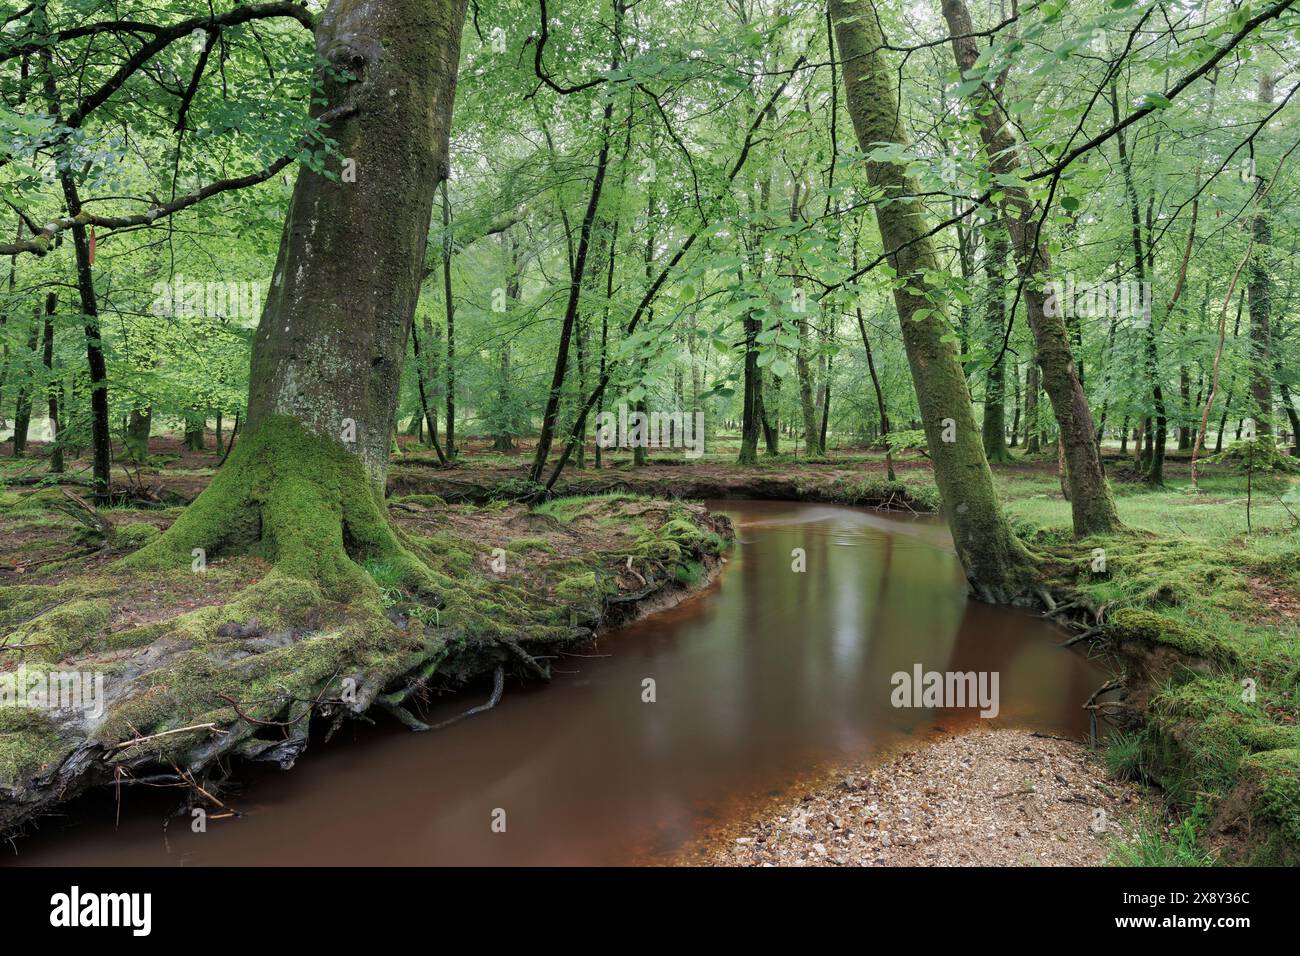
(307, 477)
(995, 317)
(1090, 499)
(1259, 294)
(329, 350)
(1033, 434)
(138, 426)
(997, 564)
(52, 386)
(23, 406)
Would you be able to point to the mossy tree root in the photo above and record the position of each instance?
(305, 504)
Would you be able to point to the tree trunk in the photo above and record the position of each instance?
(23, 408)
(138, 427)
(1092, 506)
(307, 477)
(194, 429)
(450, 304)
(428, 408)
(95, 364)
(1259, 293)
(1033, 434)
(997, 565)
(995, 318)
(753, 400)
(51, 385)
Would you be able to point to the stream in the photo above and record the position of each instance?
(761, 680)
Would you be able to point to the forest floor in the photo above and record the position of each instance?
(241, 660)
(1197, 608)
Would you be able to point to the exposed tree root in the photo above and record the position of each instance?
(353, 614)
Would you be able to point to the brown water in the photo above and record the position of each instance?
(764, 677)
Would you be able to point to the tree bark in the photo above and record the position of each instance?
(1259, 294)
(138, 426)
(330, 346)
(450, 304)
(1091, 504)
(997, 565)
(307, 477)
(23, 406)
(995, 318)
(51, 385)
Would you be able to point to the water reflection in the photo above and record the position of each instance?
(762, 678)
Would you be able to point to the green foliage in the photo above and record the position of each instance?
(1152, 841)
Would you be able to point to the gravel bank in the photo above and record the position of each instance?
(987, 797)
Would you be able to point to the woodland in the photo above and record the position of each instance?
(318, 317)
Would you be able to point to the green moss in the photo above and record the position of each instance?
(580, 588)
(690, 573)
(1150, 627)
(302, 501)
(1272, 779)
(521, 545)
(63, 630)
(29, 742)
(919, 494)
(132, 537)
(568, 508)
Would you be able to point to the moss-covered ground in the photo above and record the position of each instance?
(1198, 603)
(271, 610)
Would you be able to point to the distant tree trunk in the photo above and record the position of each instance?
(875, 384)
(997, 565)
(428, 408)
(753, 399)
(812, 445)
(1015, 419)
(23, 408)
(771, 431)
(450, 303)
(1292, 417)
(194, 432)
(1156, 443)
(51, 385)
(826, 399)
(138, 427)
(96, 366)
(1033, 434)
(1259, 294)
(503, 440)
(550, 415)
(995, 318)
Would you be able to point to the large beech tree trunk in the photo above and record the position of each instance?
(329, 349)
(1090, 499)
(308, 474)
(997, 565)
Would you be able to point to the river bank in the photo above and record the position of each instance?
(977, 797)
(1183, 619)
(180, 670)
